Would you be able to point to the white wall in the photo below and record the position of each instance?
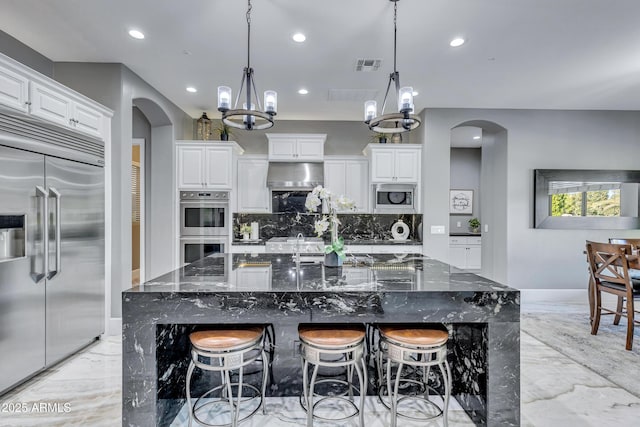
(117, 87)
(533, 258)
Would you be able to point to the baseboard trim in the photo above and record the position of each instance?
(558, 296)
(114, 326)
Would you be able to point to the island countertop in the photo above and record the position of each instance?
(226, 289)
(379, 272)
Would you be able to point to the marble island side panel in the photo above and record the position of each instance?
(482, 316)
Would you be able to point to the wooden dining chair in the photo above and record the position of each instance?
(609, 268)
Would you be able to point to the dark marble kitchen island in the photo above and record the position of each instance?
(483, 318)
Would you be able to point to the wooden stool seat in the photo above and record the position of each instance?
(331, 336)
(415, 336)
(219, 339)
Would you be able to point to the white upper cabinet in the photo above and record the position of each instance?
(253, 194)
(51, 105)
(32, 93)
(348, 177)
(395, 163)
(208, 166)
(14, 90)
(286, 147)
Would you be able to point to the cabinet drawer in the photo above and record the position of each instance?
(474, 240)
(457, 240)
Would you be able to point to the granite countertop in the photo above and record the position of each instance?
(466, 234)
(366, 273)
(238, 242)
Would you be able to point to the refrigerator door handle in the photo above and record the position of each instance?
(56, 194)
(44, 194)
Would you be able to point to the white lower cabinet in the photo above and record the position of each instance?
(465, 252)
(253, 278)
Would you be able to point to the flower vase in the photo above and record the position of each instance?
(332, 260)
(245, 236)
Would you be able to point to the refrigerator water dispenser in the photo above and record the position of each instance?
(12, 237)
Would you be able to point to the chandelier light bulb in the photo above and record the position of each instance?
(370, 110)
(405, 97)
(224, 98)
(270, 101)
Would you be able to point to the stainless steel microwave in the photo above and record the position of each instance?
(394, 199)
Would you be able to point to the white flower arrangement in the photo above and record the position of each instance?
(330, 220)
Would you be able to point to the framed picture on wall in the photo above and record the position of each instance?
(461, 202)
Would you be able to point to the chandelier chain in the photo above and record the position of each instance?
(395, 34)
(248, 15)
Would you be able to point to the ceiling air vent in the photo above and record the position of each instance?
(368, 64)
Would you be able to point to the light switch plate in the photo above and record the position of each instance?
(486, 228)
(437, 229)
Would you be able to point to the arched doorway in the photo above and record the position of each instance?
(478, 164)
(151, 123)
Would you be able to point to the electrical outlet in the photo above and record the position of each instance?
(458, 224)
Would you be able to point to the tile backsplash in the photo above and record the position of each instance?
(352, 227)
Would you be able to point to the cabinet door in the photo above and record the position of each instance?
(382, 166)
(14, 90)
(190, 167)
(474, 257)
(310, 149)
(253, 278)
(334, 176)
(88, 120)
(458, 256)
(50, 105)
(253, 194)
(282, 149)
(218, 167)
(406, 166)
(357, 183)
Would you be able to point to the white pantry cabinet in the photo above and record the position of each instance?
(253, 195)
(29, 92)
(465, 252)
(348, 177)
(206, 165)
(302, 147)
(394, 163)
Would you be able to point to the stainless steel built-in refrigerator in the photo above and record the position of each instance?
(51, 245)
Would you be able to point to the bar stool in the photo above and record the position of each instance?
(418, 347)
(332, 346)
(224, 351)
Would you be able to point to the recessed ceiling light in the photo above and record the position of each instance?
(192, 89)
(303, 91)
(415, 93)
(136, 34)
(299, 37)
(459, 41)
(476, 137)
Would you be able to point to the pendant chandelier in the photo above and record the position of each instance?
(247, 117)
(404, 120)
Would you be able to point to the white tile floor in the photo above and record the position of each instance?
(556, 390)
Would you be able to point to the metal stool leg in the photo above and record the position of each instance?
(311, 391)
(189, 373)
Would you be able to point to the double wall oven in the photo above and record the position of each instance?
(204, 224)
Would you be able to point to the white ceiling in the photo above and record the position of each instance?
(546, 54)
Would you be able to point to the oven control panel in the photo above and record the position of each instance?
(204, 195)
